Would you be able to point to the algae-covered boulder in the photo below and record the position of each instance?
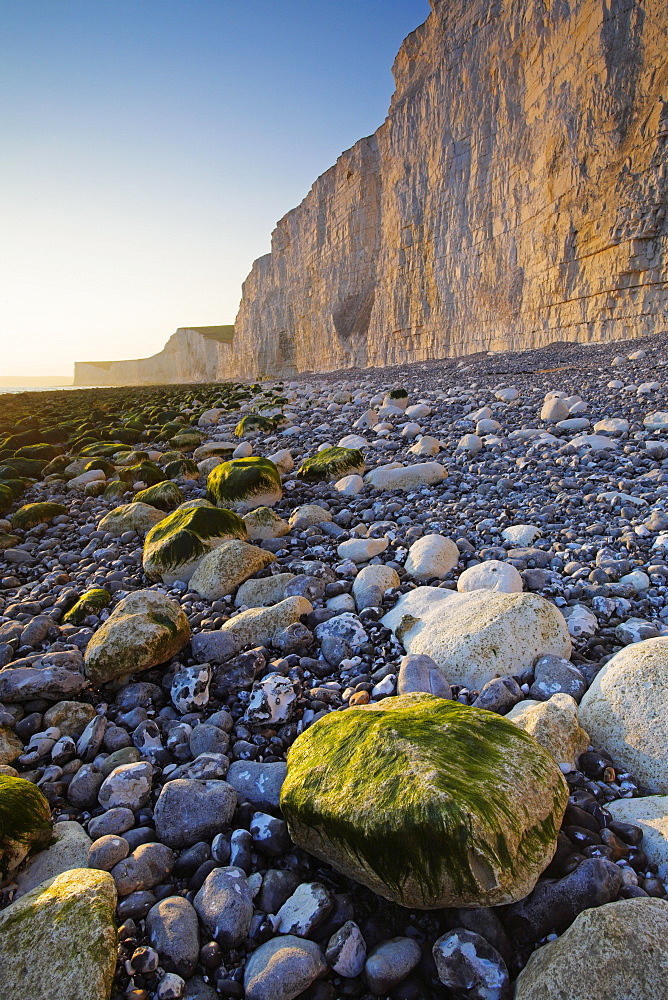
(332, 464)
(25, 823)
(115, 489)
(144, 472)
(36, 513)
(253, 482)
(220, 572)
(428, 802)
(165, 496)
(88, 604)
(186, 440)
(139, 517)
(59, 940)
(144, 629)
(253, 422)
(182, 468)
(173, 549)
(6, 498)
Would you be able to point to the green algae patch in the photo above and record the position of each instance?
(164, 496)
(115, 489)
(254, 482)
(182, 468)
(254, 422)
(88, 604)
(186, 440)
(427, 802)
(6, 498)
(60, 940)
(25, 822)
(144, 472)
(331, 464)
(36, 513)
(102, 464)
(174, 547)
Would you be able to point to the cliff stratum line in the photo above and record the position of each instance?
(515, 195)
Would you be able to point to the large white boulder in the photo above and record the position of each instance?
(625, 711)
(482, 634)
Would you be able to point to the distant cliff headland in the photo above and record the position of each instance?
(192, 354)
(514, 196)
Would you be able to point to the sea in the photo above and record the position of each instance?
(43, 388)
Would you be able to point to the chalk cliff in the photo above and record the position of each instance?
(192, 354)
(515, 195)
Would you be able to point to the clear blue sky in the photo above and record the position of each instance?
(149, 147)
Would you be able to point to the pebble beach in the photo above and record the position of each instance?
(351, 685)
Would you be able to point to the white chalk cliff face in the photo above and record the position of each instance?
(192, 354)
(515, 195)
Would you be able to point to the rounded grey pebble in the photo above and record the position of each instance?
(107, 851)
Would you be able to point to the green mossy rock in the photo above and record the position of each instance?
(253, 422)
(332, 464)
(173, 549)
(165, 496)
(146, 628)
(107, 449)
(17, 486)
(42, 451)
(25, 823)
(59, 940)
(6, 498)
(145, 472)
(253, 482)
(134, 458)
(116, 489)
(57, 465)
(36, 513)
(29, 467)
(186, 440)
(427, 802)
(182, 468)
(139, 517)
(88, 604)
(102, 464)
(15, 441)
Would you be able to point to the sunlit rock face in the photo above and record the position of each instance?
(512, 197)
(192, 354)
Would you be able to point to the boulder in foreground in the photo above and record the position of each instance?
(618, 951)
(59, 940)
(427, 802)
